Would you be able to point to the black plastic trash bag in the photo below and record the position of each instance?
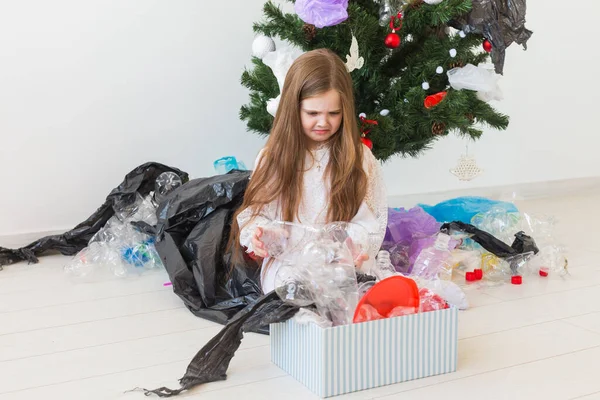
(191, 238)
(502, 22)
(139, 181)
(210, 364)
(523, 245)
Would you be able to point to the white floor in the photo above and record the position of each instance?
(60, 340)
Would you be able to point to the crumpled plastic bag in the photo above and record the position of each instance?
(225, 164)
(119, 246)
(463, 209)
(210, 364)
(480, 79)
(406, 225)
(140, 181)
(407, 234)
(498, 223)
(322, 13)
(502, 22)
(191, 238)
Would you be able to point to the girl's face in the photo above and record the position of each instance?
(321, 116)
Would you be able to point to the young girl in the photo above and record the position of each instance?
(314, 168)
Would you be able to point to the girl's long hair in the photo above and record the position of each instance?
(279, 173)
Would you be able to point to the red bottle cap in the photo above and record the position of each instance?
(544, 271)
(470, 276)
(516, 280)
(478, 274)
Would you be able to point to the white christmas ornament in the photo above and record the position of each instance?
(262, 45)
(440, 70)
(433, 2)
(453, 53)
(466, 169)
(280, 62)
(384, 113)
(425, 85)
(362, 115)
(462, 34)
(353, 61)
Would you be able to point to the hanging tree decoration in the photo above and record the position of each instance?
(392, 40)
(353, 60)
(466, 169)
(387, 8)
(365, 131)
(322, 13)
(434, 99)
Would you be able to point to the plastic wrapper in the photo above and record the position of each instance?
(407, 234)
(480, 79)
(324, 272)
(140, 181)
(225, 164)
(307, 316)
(406, 225)
(552, 256)
(431, 301)
(119, 246)
(191, 238)
(322, 13)
(435, 261)
(495, 246)
(399, 257)
(498, 223)
(210, 364)
(502, 22)
(463, 209)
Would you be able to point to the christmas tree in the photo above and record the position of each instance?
(415, 66)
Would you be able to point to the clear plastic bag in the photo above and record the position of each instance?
(435, 261)
(499, 223)
(119, 247)
(323, 273)
(481, 79)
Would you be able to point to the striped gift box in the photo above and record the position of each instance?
(349, 358)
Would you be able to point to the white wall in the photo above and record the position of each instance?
(91, 89)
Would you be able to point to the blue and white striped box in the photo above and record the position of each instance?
(350, 358)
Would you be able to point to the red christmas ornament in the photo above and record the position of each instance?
(487, 46)
(367, 142)
(365, 131)
(392, 40)
(434, 99)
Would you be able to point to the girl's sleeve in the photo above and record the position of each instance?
(374, 211)
(248, 224)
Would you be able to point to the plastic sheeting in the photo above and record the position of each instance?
(502, 22)
(140, 181)
(191, 238)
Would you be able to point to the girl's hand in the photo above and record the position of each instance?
(258, 245)
(358, 262)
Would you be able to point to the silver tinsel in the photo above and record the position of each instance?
(387, 8)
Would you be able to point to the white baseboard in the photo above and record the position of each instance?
(23, 239)
(517, 192)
